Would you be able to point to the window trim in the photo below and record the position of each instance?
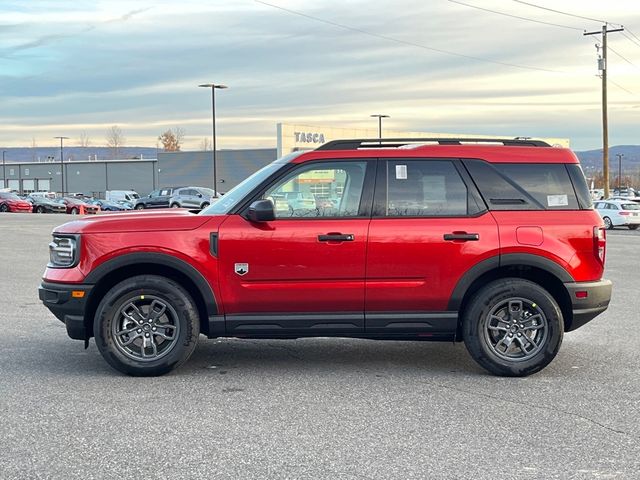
(380, 199)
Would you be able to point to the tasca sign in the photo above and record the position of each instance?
(309, 137)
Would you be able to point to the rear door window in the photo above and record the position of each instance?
(426, 188)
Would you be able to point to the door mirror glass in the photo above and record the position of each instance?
(261, 211)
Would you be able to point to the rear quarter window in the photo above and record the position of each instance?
(525, 186)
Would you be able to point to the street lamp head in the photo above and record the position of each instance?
(379, 115)
(62, 138)
(213, 85)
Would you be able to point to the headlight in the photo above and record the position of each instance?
(63, 251)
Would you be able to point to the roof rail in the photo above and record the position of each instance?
(355, 144)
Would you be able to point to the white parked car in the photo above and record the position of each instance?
(616, 213)
(117, 195)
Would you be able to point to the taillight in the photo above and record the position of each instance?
(599, 243)
(623, 213)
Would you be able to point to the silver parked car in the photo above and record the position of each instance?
(191, 197)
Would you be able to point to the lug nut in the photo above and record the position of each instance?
(153, 328)
(146, 334)
(139, 330)
(519, 334)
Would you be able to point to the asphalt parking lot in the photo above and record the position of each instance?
(317, 408)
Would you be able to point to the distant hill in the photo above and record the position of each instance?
(588, 158)
(41, 154)
(630, 161)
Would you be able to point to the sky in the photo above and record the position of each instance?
(68, 67)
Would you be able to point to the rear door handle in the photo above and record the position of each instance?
(336, 237)
(463, 236)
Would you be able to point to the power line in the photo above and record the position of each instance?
(516, 16)
(633, 35)
(630, 39)
(623, 58)
(405, 42)
(620, 86)
(562, 13)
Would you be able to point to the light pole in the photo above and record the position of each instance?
(380, 117)
(619, 155)
(62, 139)
(213, 87)
(4, 172)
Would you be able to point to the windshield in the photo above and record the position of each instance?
(631, 206)
(9, 196)
(234, 196)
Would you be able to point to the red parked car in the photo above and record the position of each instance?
(75, 205)
(10, 202)
(496, 245)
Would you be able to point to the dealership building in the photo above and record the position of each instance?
(189, 168)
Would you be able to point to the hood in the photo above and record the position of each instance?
(161, 220)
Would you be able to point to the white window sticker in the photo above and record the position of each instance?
(557, 200)
(401, 172)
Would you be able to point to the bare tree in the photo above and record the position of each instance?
(171, 140)
(84, 140)
(115, 140)
(205, 144)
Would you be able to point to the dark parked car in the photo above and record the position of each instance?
(74, 205)
(108, 206)
(191, 197)
(10, 202)
(46, 205)
(156, 199)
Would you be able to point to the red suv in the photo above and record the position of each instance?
(494, 243)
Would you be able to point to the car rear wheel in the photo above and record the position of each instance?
(513, 327)
(608, 224)
(633, 227)
(4, 207)
(205, 205)
(175, 205)
(146, 326)
(140, 206)
(74, 211)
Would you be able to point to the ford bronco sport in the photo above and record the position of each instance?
(494, 243)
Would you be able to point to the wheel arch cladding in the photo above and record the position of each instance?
(108, 274)
(546, 273)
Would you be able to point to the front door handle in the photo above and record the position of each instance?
(462, 236)
(336, 237)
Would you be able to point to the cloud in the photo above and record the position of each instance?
(93, 65)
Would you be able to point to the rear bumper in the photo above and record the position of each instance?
(596, 301)
(66, 306)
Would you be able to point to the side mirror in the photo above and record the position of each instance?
(199, 195)
(149, 195)
(261, 211)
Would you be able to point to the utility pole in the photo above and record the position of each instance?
(605, 121)
(619, 155)
(62, 139)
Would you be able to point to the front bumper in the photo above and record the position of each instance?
(64, 301)
(588, 306)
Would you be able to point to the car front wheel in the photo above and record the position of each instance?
(513, 327)
(146, 326)
(140, 206)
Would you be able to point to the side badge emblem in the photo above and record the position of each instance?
(242, 268)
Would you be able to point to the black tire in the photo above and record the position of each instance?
(4, 207)
(486, 325)
(140, 206)
(74, 211)
(608, 224)
(175, 205)
(40, 209)
(633, 227)
(204, 205)
(180, 319)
